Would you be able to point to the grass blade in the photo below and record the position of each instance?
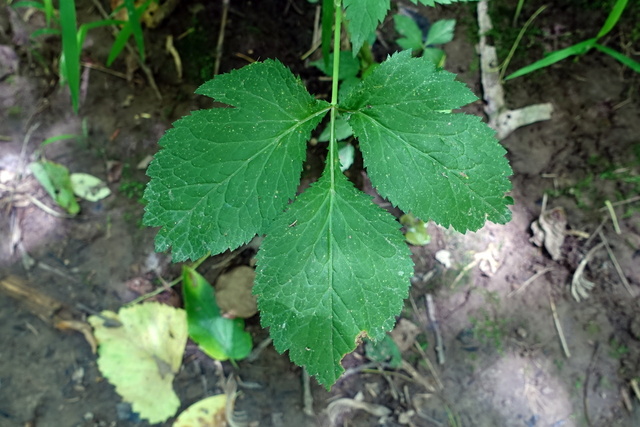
(634, 65)
(134, 23)
(27, 3)
(48, 11)
(613, 18)
(118, 44)
(557, 56)
(70, 50)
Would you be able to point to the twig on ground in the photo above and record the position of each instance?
(430, 366)
(257, 350)
(219, 45)
(585, 388)
(614, 217)
(175, 55)
(529, 281)
(104, 70)
(635, 388)
(556, 321)
(307, 397)
(616, 264)
(431, 312)
(166, 285)
(316, 40)
(623, 202)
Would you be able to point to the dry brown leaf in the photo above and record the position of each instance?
(233, 293)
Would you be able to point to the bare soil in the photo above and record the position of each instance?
(493, 290)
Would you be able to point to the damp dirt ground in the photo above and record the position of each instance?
(499, 298)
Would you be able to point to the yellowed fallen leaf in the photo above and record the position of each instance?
(141, 356)
(209, 412)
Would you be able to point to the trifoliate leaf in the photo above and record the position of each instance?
(224, 174)
(332, 269)
(363, 18)
(440, 166)
(217, 336)
(140, 352)
(54, 178)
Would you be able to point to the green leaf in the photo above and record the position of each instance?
(54, 178)
(436, 56)
(224, 174)
(332, 269)
(342, 128)
(363, 18)
(349, 66)
(440, 166)
(217, 336)
(441, 32)
(412, 34)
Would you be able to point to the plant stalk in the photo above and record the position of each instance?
(333, 149)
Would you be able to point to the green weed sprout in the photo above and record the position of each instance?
(73, 37)
(583, 47)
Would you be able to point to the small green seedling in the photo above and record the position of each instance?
(440, 32)
(334, 267)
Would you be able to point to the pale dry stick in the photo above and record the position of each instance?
(596, 231)
(169, 47)
(432, 369)
(556, 321)
(166, 285)
(104, 70)
(614, 217)
(585, 388)
(223, 25)
(143, 66)
(529, 281)
(307, 397)
(616, 264)
(635, 388)
(47, 209)
(431, 312)
(316, 40)
(623, 202)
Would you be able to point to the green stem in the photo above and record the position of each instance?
(333, 149)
